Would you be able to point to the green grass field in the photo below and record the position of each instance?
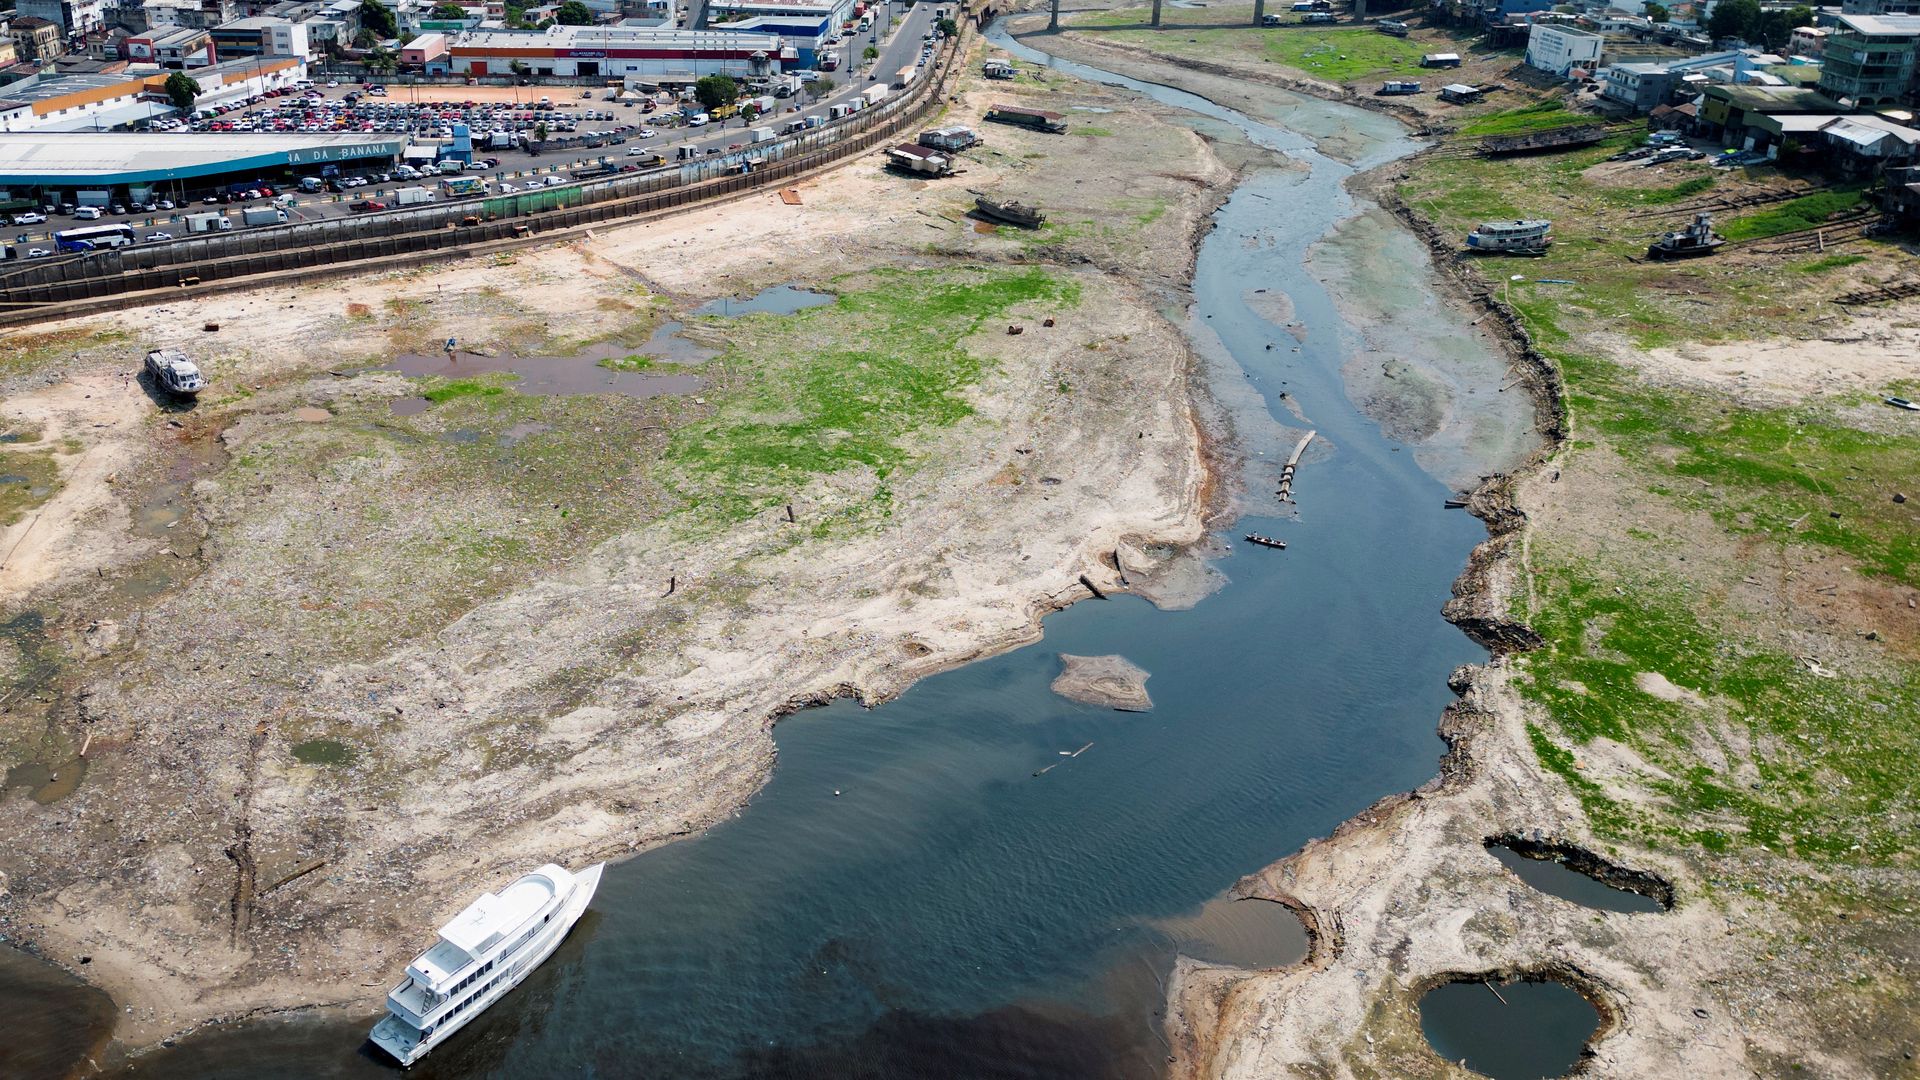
(1806, 212)
(1336, 54)
(843, 387)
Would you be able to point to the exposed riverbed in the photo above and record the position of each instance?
(960, 908)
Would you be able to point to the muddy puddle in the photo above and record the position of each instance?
(1250, 933)
(1558, 879)
(46, 784)
(609, 367)
(323, 752)
(779, 300)
(34, 668)
(582, 372)
(164, 506)
(1509, 1031)
(669, 344)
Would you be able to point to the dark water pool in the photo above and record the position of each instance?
(1558, 879)
(1509, 1031)
(779, 300)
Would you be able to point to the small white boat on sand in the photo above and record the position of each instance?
(482, 954)
(174, 373)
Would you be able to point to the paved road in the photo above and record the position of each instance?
(900, 49)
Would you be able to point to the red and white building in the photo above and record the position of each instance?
(621, 52)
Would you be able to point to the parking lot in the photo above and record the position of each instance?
(581, 132)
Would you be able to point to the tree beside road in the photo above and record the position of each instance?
(716, 91)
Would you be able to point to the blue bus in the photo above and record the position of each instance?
(93, 238)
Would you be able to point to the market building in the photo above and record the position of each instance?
(95, 169)
(620, 52)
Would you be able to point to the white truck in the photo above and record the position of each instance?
(762, 134)
(873, 95)
(263, 215)
(211, 222)
(412, 196)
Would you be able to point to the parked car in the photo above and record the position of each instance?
(165, 204)
(86, 213)
(477, 166)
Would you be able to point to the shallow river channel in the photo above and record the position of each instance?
(907, 897)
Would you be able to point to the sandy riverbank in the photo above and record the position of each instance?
(336, 671)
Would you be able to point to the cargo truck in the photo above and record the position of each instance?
(762, 134)
(412, 196)
(212, 222)
(263, 215)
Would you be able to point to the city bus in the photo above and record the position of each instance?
(93, 237)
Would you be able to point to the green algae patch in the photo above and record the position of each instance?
(323, 752)
(26, 482)
(483, 386)
(1806, 212)
(630, 362)
(1748, 747)
(843, 387)
(1537, 116)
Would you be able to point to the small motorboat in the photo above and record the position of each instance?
(1458, 502)
(1903, 403)
(1266, 541)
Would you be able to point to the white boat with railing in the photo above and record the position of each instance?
(173, 372)
(1526, 236)
(481, 955)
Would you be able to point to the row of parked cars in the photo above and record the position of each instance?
(87, 213)
(312, 112)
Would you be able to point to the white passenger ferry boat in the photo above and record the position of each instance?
(1521, 237)
(483, 953)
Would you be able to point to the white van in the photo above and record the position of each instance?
(699, 119)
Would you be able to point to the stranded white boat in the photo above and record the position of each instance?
(1520, 237)
(483, 953)
(174, 373)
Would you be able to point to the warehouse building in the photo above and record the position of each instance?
(101, 102)
(636, 52)
(86, 168)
